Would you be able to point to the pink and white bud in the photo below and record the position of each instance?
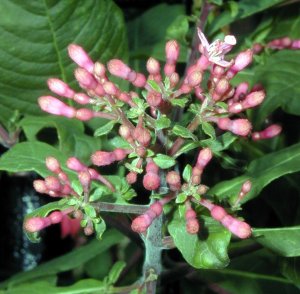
(154, 98)
(124, 131)
(141, 223)
(192, 226)
(151, 167)
(74, 164)
(268, 133)
(53, 184)
(221, 88)
(204, 157)
(125, 97)
(55, 106)
(55, 217)
(35, 224)
(172, 51)
(140, 80)
(151, 181)
(142, 135)
(174, 79)
(40, 186)
(218, 213)
(118, 68)
(241, 91)
(295, 44)
(241, 127)
(240, 229)
(173, 179)
(157, 208)
(52, 164)
(85, 78)
(253, 99)
(79, 56)
(82, 98)
(246, 187)
(100, 70)
(60, 88)
(194, 79)
(84, 114)
(169, 69)
(120, 154)
(243, 59)
(153, 66)
(84, 179)
(131, 177)
(102, 158)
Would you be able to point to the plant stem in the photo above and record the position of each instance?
(113, 207)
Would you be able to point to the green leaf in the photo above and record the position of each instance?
(187, 147)
(43, 211)
(181, 102)
(284, 66)
(162, 123)
(105, 129)
(221, 143)
(187, 172)
(208, 129)
(283, 241)
(164, 161)
(154, 85)
(70, 132)
(119, 142)
(261, 172)
(85, 286)
(183, 132)
(68, 261)
(34, 36)
(181, 197)
(100, 229)
(115, 272)
(208, 250)
(245, 9)
(290, 268)
(178, 29)
(90, 211)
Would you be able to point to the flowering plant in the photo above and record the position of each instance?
(159, 137)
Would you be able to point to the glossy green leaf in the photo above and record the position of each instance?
(261, 172)
(245, 9)
(68, 261)
(284, 66)
(283, 241)
(181, 102)
(164, 161)
(208, 129)
(70, 132)
(104, 129)
(183, 132)
(34, 36)
(208, 250)
(162, 123)
(187, 172)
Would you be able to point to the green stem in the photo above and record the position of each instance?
(112, 207)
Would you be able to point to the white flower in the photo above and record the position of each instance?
(215, 52)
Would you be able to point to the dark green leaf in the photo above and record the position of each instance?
(164, 161)
(283, 241)
(115, 272)
(100, 229)
(183, 132)
(261, 172)
(290, 268)
(178, 29)
(105, 129)
(34, 40)
(208, 250)
(68, 261)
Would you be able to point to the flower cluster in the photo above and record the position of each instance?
(151, 139)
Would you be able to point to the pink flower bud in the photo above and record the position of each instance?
(194, 79)
(295, 44)
(151, 181)
(153, 66)
(82, 98)
(35, 224)
(53, 165)
(154, 98)
(124, 131)
(235, 108)
(141, 223)
(241, 91)
(243, 59)
(240, 229)
(110, 88)
(192, 226)
(55, 217)
(125, 97)
(102, 158)
(140, 81)
(53, 183)
(253, 99)
(131, 177)
(173, 179)
(142, 135)
(151, 167)
(79, 56)
(224, 123)
(204, 157)
(84, 114)
(40, 186)
(85, 78)
(88, 231)
(221, 88)
(246, 187)
(74, 164)
(218, 71)
(241, 127)
(169, 69)
(174, 79)
(257, 48)
(120, 154)
(118, 68)
(190, 214)
(268, 133)
(60, 88)
(172, 51)
(54, 106)
(99, 70)
(227, 220)
(157, 208)
(84, 179)
(218, 213)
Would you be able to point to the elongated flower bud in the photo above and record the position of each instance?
(36, 224)
(172, 51)
(153, 66)
(118, 68)
(60, 88)
(243, 59)
(53, 165)
(151, 181)
(240, 127)
(204, 157)
(75, 164)
(101, 158)
(79, 56)
(268, 133)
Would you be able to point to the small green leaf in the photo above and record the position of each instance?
(154, 86)
(187, 172)
(162, 123)
(119, 142)
(164, 161)
(100, 229)
(181, 197)
(221, 143)
(178, 29)
(77, 187)
(105, 129)
(187, 147)
(115, 272)
(208, 129)
(181, 102)
(207, 250)
(90, 211)
(183, 132)
(133, 168)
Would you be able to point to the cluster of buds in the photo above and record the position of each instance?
(278, 44)
(218, 103)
